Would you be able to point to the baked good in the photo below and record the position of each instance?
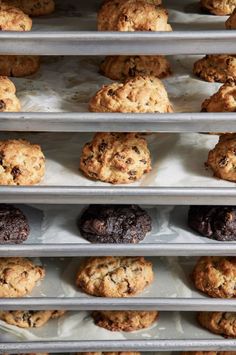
(231, 22)
(223, 323)
(117, 158)
(223, 100)
(18, 65)
(33, 7)
(111, 353)
(21, 163)
(138, 94)
(121, 67)
(216, 276)
(132, 15)
(13, 19)
(8, 100)
(29, 319)
(111, 276)
(14, 227)
(18, 276)
(222, 159)
(215, 222)
(126, 321)
(216, 68)
(114, 224)
(218, 7)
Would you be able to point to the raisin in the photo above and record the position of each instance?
(15, 172)
(2, 105)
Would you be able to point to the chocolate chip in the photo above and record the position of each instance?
(136, 149)
(110, 92)
(15, 172)
(2, 105)
(102, 147)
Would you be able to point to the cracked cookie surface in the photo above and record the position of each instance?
(216, 276)
(219, 7)
(126, 321)
(138, 94)
(224, 100)
(8, 100)
(216, 68)
(121, 67)
(231, 22)
(18, 276)
(18, 65)
(29, 319)
(223, 323)
(114, 276)
(13, 19)
(132, 15)
(117, 158)
(21, 163)
(33, 7)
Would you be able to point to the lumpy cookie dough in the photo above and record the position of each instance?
(18, 65)
(132, 15)
(126, 321)
(29, 319)
(14, 227)
(8, 100)
(13, 19)
(216, 276)
(231, 22)
(223, 323)
(222, 159)
(215, 222)
(222, 101)
(123, 66)
(117, 158)
(33, 7)
(18, 276)
(21, 163)
(218, 7)
(114, 224)
(138, 94)
(111, 276)
(216, 68)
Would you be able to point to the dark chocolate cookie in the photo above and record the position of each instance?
(14, 227)
(114, 224)
(215, 222)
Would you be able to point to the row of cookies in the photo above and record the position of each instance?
(221, 323)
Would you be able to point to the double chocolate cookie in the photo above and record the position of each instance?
(114, 224)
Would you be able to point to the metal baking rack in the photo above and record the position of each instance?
(93, 43)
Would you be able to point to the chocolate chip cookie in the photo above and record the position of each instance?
(223, 323)
(111, 276)
(126, 321)
(21, 163)
(117, 158)
(8, 100)
(18, 65)
(13, 19)
(218, 7)
(33, 7)
(216, 276)
(29, 319)
(231, 22)
(14, 227)
(138, 94)
(223, 100)
(18, 276)
(114, 224)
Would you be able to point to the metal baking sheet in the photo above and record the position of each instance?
(72, 30)
(76, 332)
(172, 289)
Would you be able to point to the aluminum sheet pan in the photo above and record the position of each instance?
(172, 289)
(72, 30)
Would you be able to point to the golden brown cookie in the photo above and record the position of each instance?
(139, 94)
(8, 100)
(216, 68)
(231, 22)
(33, 7)
(223, 100)
(111, 276)
(223, 323)
(118, 158)
(126, 321)
(222, 159)
(111, 353)
(18, 276)
(21, 163)
(18, 65)
(216, 276)
(13, 19)
(218, 7)
(123, 66)
(132, 15)
(29, 319)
